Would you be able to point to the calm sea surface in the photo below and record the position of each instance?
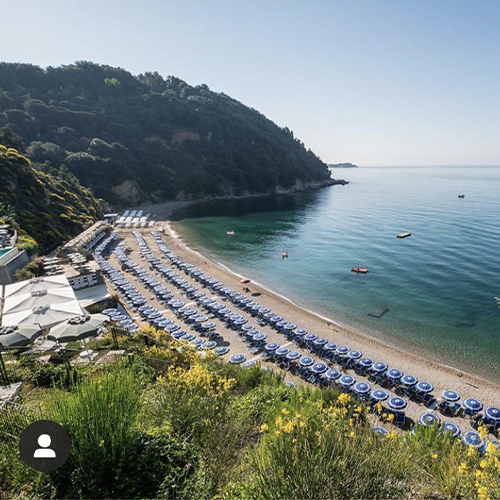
(438, 285)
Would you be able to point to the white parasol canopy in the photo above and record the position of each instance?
(45, 316)
(36, 284)
(17, 302)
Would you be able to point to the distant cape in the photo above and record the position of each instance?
(342, 165)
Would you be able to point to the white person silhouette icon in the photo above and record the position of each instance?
(44, 451)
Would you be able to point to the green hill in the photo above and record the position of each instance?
(46, 205)
(148, 138)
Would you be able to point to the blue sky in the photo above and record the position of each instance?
(375, 82)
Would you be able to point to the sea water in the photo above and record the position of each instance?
(435, 288)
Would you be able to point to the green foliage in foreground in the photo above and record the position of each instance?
(46, 207)
(148, 137)
(171, 424)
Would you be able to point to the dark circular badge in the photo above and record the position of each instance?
(44, 445)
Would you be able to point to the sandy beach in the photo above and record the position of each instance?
(440, 375)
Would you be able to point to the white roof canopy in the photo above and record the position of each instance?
(45, 316)
(44, 301)
(17, 302)
(36, 284)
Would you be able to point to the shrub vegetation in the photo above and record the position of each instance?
(174, 423)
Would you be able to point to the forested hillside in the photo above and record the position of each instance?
(46, 206)
(148, 138)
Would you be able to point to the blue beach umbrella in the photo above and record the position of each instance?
(310, 337)
(282, 351)
(332, 374)
(197, 342)
(210, 345)
(290, 384)
(247, 328)
(343, 350)
(451, 396)
(210, 325)
(380, 430)
(251, 333)
(452, 428)
(473, 404)
(353, 354)
(379, 395)
(425, 387)
(362, 388)
(379, 367)
(260, 337)
(293, 355)
(188, 337)
(319, 368)
(473, 439)
(409, 380)
(301, 332)
(330, 347)
(492, 414)
(397, 403)
(429, 419)
(249, 363)
(365, 363)
(320, 342)
(165, 323)
(347, 380)
(237, 359)
(394, 374)
(306, 361)
(289, 327)
(221, 350)
(172, 327)
(272, 346)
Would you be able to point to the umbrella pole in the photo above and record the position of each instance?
(4, 369)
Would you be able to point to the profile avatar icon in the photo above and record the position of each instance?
(44, 451)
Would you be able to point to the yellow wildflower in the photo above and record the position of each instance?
(379, 407)
(482, 493)
(390, 417)
(483, 464)
(344, 399)
(279, 421)
(285, 411)
(353, 434)
(359, 409)
(434, 456)
(462, 468)
(264, 427)
(277, 433)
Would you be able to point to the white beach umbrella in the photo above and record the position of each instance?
(29, 331)
(45, 316)
(78, 328)
(17, 302)
(36, 284)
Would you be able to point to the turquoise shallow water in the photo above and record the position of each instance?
(438, 285)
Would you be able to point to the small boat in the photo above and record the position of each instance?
(362, 270)
(461, 195)
(230, 233)
(284, 255)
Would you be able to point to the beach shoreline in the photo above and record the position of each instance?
(442, 376)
